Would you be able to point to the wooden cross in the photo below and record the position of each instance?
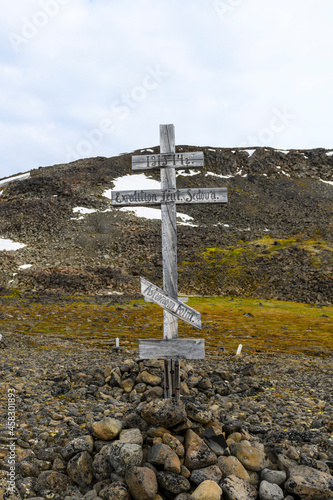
(171, 348)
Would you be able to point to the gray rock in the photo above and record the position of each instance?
(270, 491)
(115, 491)
(73, 493)
(80, 469)
(158, 454)
(123, 456)
(133, 420)
(198, 412)
(310, 483)
(235, 488)
(211, 473)
(52, 484)
(91, 495)
(273, 476)
(142, 483)
(132, 436)
(102, 467)
(198, 454)
(26, 487)
(83, 443)
(216, 442)
(28, 469)
(173, 482)
(163, 413)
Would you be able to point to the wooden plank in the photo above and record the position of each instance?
(169, 231)
(181, 299)
(164, 160)
(172, 349)
(170, 304)
(160, 196)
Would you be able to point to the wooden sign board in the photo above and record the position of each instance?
(173, 306)
(175, 160)
(158, 196)
(181, 299)
(172, 349)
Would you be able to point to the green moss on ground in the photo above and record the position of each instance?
(259, 325)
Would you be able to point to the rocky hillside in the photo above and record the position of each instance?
(273, 239)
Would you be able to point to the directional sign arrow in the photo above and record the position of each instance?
(176, 160)
(174, 306)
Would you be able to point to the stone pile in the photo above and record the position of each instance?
(139, 446)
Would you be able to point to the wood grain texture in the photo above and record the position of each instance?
(146, 197)
(175, 160)
(169, 231)
(172, 349)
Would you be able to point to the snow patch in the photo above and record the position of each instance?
(134, 181)
(145, 212)
(330, 153)
(84, 211)
(154, 213)
(8, 245)
(220, 176)
(20, 177)
(187, 173)
(25, 266)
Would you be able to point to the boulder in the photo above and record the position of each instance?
(172, 482)
(142, 483)
(164, 413)
(251, 457)
(270, 491)
(197, 453)
(207, 490)
(107, 429)
(235, 488)
(309, 483)
(80, 469)
(211, 473)
(232, 466)
(123, 456)
(77, 445)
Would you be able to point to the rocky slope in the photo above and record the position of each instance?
(94, 426)
(273, 239)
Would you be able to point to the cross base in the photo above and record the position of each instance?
(172, 351)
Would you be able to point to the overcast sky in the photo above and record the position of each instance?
(82, 78)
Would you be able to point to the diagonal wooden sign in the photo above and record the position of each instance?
(173, 306)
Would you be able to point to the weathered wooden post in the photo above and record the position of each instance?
(171, 349)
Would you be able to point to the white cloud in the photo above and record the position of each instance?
(223, 76)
